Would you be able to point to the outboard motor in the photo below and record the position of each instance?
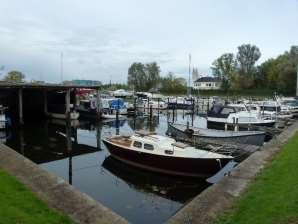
(189, 132)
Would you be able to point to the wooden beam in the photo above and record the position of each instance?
(45, 102)
(67, 104)
(98, 101)
(20, 96)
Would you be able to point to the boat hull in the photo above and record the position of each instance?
(180, 106)
(221, 125)
(73, 116)
(178, 166)
(250, 139)
(89, 113)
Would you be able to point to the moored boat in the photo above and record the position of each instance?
(197, 135)
(88, 108)
(73, 115)
(225, 117)
(165, 155)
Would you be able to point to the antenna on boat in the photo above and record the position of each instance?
(61, 67)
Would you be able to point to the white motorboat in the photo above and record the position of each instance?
(4, 120)
(154, 104)
(111, 116)
(221, 117)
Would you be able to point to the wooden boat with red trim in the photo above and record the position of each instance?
(163, 154)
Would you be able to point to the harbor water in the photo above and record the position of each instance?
(78, 155)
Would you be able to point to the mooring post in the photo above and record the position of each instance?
(67, 104)
(20, 94)
(98, 99)
(117, 118)
(197, 105)
(69, 149)
(45, 102)
(173, 118)
(208, 102)
(98, 136)
(150, 113)
(135, 106)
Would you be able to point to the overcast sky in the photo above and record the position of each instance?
(100, 39)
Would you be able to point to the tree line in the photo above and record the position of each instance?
(239, 71)
(146, 77)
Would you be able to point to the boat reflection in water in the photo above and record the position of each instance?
(174, 188)
(76, 152)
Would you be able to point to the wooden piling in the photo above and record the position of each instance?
(98, 101)
(20, 96)
(67, 104)
(45, 102)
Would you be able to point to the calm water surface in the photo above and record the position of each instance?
(83, 161)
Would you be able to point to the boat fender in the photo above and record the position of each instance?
(189, 132)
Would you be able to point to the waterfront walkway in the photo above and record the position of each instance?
(20, 205)
(273, 197)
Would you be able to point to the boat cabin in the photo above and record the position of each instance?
(221, 111)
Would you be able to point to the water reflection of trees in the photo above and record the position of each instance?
(144, 123)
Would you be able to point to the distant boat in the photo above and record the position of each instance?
(181, 103)
(198, 135)
(163, 154)
(88, 108)
(154, 104)
(4, 120)
(111, 116)
(220, 116)
(73, 115)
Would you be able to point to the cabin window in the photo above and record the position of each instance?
(148, 146)
(137, 144)
(169, 152)
(227, 111)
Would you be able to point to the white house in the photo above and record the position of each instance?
(207, 83)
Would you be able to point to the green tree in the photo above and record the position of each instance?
(280, 73)
(224, 68)
(247, 56)
(143, 77)
(152, 72)
(173, 85)
(14, 76)
(137, 77)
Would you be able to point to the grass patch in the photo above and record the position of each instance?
(273, 197)
(20, 206)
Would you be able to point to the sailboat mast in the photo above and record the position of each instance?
(61, 66)
(189, 87)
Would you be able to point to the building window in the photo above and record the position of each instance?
(148, 146)
(137, 144)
